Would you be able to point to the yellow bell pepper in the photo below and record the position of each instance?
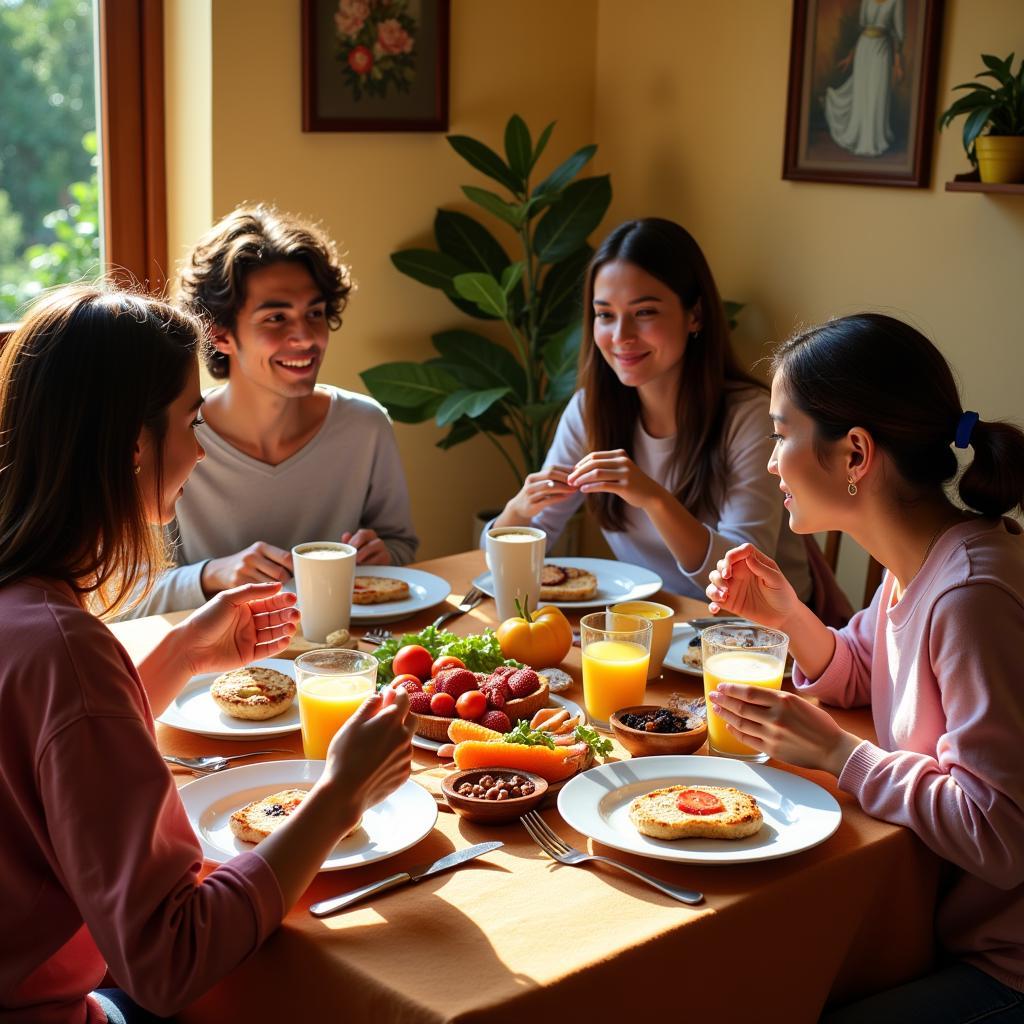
(540, 639)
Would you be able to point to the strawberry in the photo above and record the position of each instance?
(419, 703)
(499, 684)
(455, 682)
(495, 696)
(524, 682)
(502, 672)
(496, 720)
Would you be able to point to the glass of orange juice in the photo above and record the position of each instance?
(616, 653)
(331, 685)
(660, 616)
(740, 653)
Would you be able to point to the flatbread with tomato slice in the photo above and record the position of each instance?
(687, 812)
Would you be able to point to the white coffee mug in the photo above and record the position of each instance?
(324, 573)
(515, 556)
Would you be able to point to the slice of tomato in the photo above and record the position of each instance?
(696, 801)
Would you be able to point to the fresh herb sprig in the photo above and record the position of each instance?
(528, 737)
(599, 746)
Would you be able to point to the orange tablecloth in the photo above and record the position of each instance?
(515, 937)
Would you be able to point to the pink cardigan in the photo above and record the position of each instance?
(98, 862)
(942, 669)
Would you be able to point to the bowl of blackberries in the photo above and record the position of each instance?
(645, 729)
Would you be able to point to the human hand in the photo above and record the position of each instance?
(748, 583)
(258, 563)
(238, 626)
(615, 472)
(845, 63)
(784, 726)
(369, 757)
(370, 549)
(539, 490)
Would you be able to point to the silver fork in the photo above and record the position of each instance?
(214, 763)
(467, 604)
(376, 636)
(558, 849)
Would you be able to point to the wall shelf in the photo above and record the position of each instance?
(971, 183)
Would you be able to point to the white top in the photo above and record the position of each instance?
(752, 508)
(348, 475)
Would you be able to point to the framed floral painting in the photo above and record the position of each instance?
(862, 77)
(375, 65)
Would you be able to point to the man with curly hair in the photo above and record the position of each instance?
(287, 460)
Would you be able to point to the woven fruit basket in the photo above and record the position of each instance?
(433, 727)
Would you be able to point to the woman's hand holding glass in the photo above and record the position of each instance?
(784, 726)
(616, 473)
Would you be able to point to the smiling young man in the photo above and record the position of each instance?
(287, 460)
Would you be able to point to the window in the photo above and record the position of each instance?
(82, 185)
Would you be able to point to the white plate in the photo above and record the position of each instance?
(193, 710)
(387, 828)
(798, 814)
(425, 590)
(616, 581)
(682, 634)
(553, 701)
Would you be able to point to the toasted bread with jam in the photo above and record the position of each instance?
(564, 583)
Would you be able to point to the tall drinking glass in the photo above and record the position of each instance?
(616, 653)
(515, 556)
(331, 684)
(740, 653)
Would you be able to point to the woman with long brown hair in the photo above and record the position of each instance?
(666, 435)
(99, 399)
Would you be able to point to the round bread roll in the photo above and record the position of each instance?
(656, 815)
(253, 693)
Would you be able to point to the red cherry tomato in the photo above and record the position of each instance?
(442, 704)
(446, 661)
(696, 801)
(472, 705)
(413, 659)
(406, 682)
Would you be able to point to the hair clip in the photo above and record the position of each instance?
(964, 429)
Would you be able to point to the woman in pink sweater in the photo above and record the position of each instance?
(866, 414)
(99, 395)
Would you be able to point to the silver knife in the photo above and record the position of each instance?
(446, 863)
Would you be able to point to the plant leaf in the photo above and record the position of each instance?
(408, 385)
(565, 171)
(461, 431)
(538, 412)
(484, 291)
(541, 144)
(467, 403)
(434, 269)
(510, 213)
(485, 160)
(561, 357)
(518, 146)
(564, 227)
(511, 276)
(561, 292)
(974, 125)
(469, 242)
(495, 362)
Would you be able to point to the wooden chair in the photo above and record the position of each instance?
(875, 570)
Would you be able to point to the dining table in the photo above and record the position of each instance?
(516, 937)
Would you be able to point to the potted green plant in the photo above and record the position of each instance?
(474, 385)
(999, 154)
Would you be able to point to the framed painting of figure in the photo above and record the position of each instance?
(861, 104)
(375, 65)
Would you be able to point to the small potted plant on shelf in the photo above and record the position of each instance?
(998, 154)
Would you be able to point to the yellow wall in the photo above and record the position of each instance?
(691, 113)
(687, 100)
(376, 192)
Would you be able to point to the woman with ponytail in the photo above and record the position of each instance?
(867, 420)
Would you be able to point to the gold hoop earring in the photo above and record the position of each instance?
(138, 470)
(851, 487)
